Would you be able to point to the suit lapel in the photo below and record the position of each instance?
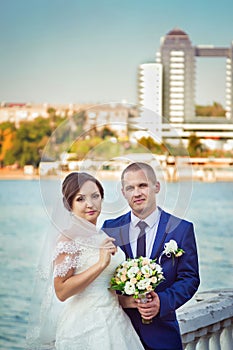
(124, 237)
(124, 233)
(160, 235)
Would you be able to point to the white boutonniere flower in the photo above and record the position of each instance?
(171, 249)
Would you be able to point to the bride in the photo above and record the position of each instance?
(79, 311)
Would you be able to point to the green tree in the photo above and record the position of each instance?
(55, 132)
(195, 147)
(29, 138)
(6, 128)
(106, 132)
(83, 146)
(150, 144)
(7, 131)
(215, 110)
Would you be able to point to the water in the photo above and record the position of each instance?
(24, 222)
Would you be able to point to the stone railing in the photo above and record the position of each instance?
(206, 322)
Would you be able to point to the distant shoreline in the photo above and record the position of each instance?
(8, 174)
(210, 175)
(17, 174)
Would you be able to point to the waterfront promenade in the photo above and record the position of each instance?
(169, 172)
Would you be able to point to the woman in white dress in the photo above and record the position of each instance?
(90, 317)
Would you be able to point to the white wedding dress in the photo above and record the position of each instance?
(93, 319)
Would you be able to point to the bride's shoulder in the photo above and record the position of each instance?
(66, 245)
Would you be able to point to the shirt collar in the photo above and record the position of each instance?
(150, 220)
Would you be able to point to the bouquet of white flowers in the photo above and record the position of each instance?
(137, 277)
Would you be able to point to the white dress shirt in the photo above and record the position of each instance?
(152, 222)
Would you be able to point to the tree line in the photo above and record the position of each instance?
(25, 144)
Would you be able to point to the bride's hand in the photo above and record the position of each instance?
(107, 249)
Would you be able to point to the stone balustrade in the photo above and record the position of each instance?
(206, 322)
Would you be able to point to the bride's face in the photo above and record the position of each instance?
(87, 202)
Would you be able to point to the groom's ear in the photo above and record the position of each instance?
(157, 187)
(123, 192)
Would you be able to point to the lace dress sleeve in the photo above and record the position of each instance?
(66, 257)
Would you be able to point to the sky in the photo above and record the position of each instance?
(88, 51)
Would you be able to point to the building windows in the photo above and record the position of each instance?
(177, 89)
(177, 65)
(176, 83)
(177, 53)
(176, 77)
(176, 71)
(176, 101)
(176, 113)
(174, 107)
(176, 95)
(176, 59)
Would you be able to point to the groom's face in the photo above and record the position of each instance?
(140, 191)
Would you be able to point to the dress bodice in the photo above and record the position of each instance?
(93, 319)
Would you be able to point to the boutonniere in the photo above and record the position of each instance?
(171, 249)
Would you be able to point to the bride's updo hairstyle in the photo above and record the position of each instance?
(72, 185)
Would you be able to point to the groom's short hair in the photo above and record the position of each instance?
(140, 166)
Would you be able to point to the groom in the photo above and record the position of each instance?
(139, 187)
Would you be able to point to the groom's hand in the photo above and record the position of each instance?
(151, 308)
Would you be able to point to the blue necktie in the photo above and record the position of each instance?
(141, 241)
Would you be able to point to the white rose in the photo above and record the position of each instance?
(129, 288)
(158, 268)
(146, 270)
(153, 266)
(160, 277)
(170, 247)
(130, 263)
(143, 284)
(132, 271)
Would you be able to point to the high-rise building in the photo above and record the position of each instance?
(150, 98)
(229, 85)
(150, 81)
(177, 57)
(167, 92)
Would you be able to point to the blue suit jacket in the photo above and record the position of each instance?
(181, 277)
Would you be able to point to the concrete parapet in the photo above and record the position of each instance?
(207, 322)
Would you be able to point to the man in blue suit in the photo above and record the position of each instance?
(139, 187)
